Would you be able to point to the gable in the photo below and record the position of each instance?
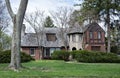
(94, 27)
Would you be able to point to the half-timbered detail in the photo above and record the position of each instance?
(94, 38)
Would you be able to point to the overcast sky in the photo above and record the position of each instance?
(45, 5)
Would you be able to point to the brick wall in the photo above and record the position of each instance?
(88, 43)
(27, 51)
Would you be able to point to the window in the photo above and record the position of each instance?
(73, 37)
(52, 50)
(80, 37)
(91, 35)
(32, 51)
(47, 52)
(99, 35)
(51, 37)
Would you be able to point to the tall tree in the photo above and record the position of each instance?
(78, 17)
(17, 20)
(48, 22)
(36, 21)
(102, 10)
(61, 17)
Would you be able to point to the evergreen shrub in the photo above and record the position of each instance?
(5, 57)
(60, 55)
(95, 57)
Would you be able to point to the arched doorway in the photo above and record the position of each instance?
(74, 48)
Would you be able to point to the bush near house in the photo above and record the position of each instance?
(87, 56)
(95, 57)
(115, 49)
(60, 55)
(6, 55)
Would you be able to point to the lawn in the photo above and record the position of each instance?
(61, 69)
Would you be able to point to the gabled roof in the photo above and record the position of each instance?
(30, 39)
(93, 27)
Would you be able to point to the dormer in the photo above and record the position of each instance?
(51, 36)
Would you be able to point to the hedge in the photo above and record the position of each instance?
(5, 57)
(60, 55)
(95, 57)
(86, 56)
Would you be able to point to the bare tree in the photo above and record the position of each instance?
(4, 19)
(61, 18)
(3, 24)
(36, 21)
(17, 20)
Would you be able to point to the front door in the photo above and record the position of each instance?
(47, 54)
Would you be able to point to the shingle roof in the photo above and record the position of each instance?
(93, 26)
(30, 39)
(57, 43)
(76, 29)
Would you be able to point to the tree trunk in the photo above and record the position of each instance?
(17, 20)
(108, 32)
(109, 40)
(13, 50)
(39, 45)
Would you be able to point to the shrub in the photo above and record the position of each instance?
(114, 49)
(95, 57)
(60, 55)
(6, 55)
(73, 53)
(25, 57)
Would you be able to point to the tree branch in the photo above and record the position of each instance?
(9, 8)
(22, 8)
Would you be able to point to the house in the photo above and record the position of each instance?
(50, 42)
(90, 37)
(94, 38)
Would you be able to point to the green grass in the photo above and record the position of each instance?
(61, 69)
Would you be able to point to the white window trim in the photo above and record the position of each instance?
(30, 52)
